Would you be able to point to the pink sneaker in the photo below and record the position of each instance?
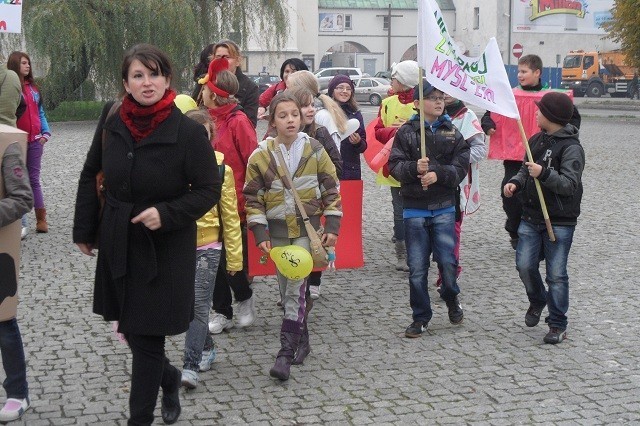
(13, 409)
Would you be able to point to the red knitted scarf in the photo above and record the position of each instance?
(142, 120)
(406, 97)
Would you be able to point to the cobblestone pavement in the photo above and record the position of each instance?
(490, 370)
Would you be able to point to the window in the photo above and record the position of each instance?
(365, 82)
(588, 62)
(476, 18)
(347, 22)
(385, 22)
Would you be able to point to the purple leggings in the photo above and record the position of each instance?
(34, 160)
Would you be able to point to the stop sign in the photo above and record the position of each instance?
(517, 50)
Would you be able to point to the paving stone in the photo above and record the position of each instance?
(491, 370)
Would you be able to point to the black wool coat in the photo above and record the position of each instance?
(145, 279)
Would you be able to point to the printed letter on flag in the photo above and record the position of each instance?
(480, 81)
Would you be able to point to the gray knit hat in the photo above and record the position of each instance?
(406, 72)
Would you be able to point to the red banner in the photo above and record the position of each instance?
(506, 143)
(349, 247)
(373, 145)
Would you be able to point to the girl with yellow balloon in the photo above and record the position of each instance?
(275, 221)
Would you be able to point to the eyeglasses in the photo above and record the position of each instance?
(435, 98)
(343, 88)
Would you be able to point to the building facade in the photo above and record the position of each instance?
(372, 34)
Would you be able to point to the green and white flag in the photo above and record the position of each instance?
(481, 81)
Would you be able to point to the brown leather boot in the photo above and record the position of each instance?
(41, 221)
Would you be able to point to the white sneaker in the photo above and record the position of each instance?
(246, 312)
(24, 233)
(219, 323)
(207, 359)
(314, 290)
(13, 409)
(189, 379)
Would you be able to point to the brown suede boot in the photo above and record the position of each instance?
(289, 337)
(41, 221)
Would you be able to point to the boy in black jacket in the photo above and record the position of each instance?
(429, 191)
(558, 165)
(529, 72)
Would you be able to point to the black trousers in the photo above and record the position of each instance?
(511, 206)
(150, 370)
(239, 282)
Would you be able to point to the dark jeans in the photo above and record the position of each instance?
(532, 240)
(315, 278)
(15, 367)
(239, 282)
(398, 221)
(150, 370)
(511, 206)
(425, 236)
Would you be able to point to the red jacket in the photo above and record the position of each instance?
(267, 95)
(236, 138)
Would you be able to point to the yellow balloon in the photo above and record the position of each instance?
(185, 103)
(294, 262)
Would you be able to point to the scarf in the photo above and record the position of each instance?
(406, 97)
(143, 120)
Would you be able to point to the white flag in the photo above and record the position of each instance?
(481, 81)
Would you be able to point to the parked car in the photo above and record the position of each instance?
(371, 89)
(383, 74)
(264, 81)
(324, 75)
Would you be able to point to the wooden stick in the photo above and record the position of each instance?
(423, 142)
(543, 205)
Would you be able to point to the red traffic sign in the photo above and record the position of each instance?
(517, 50)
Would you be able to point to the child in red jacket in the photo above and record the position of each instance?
(236, 139)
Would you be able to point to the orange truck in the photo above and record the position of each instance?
(597, 73)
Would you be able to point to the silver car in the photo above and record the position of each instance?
(371, 89)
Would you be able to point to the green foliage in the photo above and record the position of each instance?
(76, 40)
(76, 111)
(625, 28)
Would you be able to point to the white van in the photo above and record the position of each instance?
(324, 75)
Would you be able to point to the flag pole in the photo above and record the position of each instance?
(543, 205)
(423, 143)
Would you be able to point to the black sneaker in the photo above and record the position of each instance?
(455, 311)
(555, 335)
(415, 329)
(532, 317)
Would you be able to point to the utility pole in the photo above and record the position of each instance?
(389, 16)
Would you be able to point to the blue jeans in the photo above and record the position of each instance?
(424, 236)
(532, 240)
(13, 361)
(194, 342)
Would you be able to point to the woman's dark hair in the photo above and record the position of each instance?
(150, 56)
(203, 66)
(13, 63)
(294, 63)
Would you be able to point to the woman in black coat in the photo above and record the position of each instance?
(160, 176)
